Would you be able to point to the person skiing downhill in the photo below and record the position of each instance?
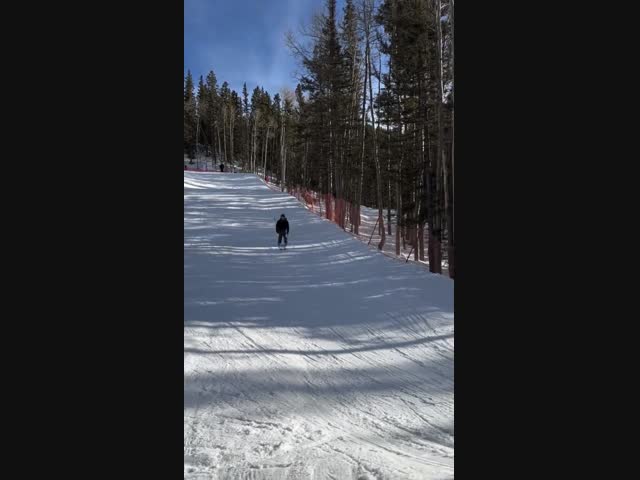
(282, 229)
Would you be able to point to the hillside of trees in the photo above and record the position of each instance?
(370, 121)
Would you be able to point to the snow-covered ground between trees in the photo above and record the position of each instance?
(328, 360)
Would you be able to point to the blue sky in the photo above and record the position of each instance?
(243, 40)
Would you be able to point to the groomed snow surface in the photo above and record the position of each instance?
(328, 360)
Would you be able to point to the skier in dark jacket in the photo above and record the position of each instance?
(282, 229)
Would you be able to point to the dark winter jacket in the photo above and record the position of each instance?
(282, 226)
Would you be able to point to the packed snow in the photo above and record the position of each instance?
(328, 360)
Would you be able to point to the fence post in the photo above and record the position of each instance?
(374, 230)
(410, 252)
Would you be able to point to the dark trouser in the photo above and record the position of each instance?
(280, 237)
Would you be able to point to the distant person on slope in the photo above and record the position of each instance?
(222, 167)
(282, 229)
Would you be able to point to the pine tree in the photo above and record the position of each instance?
(190, 116)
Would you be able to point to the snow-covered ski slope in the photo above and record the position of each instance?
(325, 361)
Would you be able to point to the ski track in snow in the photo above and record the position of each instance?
(324, 361)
